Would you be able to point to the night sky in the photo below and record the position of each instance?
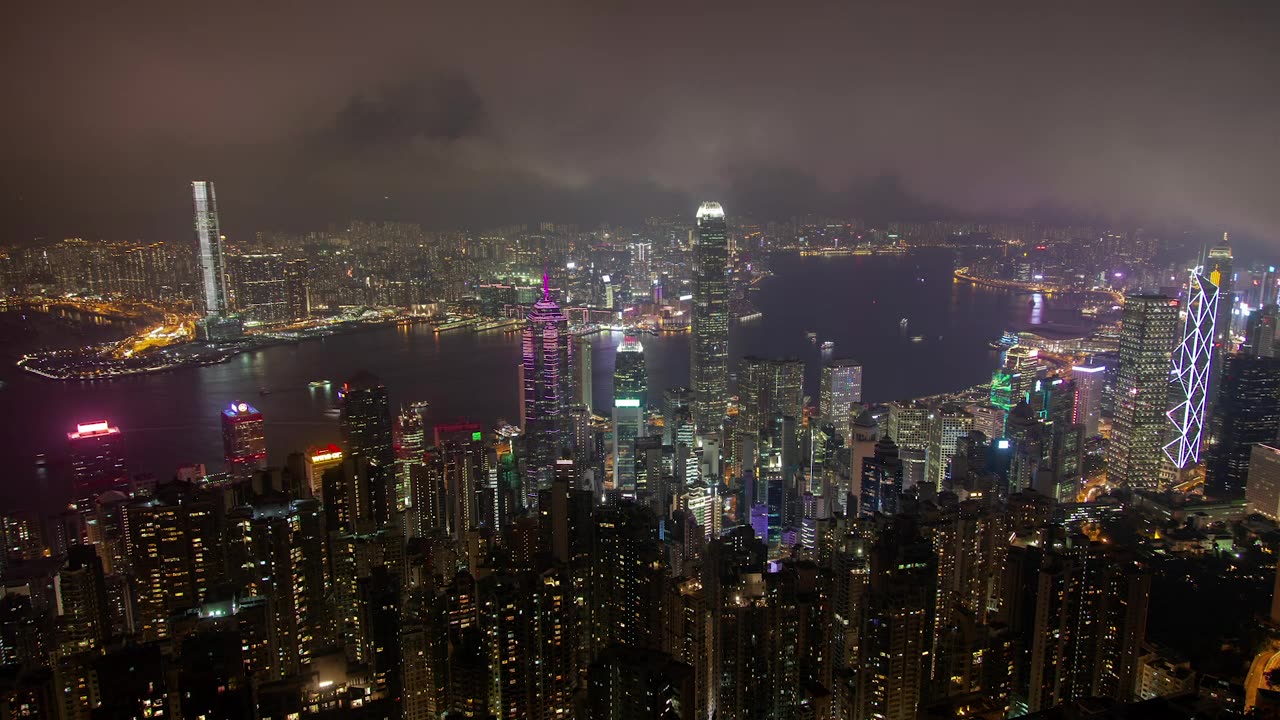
(475, 114)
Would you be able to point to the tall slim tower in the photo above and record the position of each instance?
(1220, 272)
(243, 440)
(1089, 380)
(209, 260)
(1147, 336)
(630, 389)
(709, 365)
(1193, 362)
(841, 388)
(545, 387)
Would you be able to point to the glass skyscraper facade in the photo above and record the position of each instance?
(1147, 336)
(209, 259)
(1247, 413)
(841, 388)
(630, 390)
(1192, 364)
(545, 387)
(709, 362)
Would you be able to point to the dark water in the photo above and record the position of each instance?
(171, 419)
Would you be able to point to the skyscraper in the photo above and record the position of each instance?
(367, 432)
(769, 387)
(1247, 413)
(261, 287)
(545, 387)
(209, 260)
(1219, 269)
(243, 440)
(841, 388)
(1147, 337)
(97, 459)
(297, 289)
(1089, 380)
(1192, 365)
(630, 391)
(709, 347)
(946, 426)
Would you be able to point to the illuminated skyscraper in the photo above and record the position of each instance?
(1247, 413)
(946, 426)
(1192, 365)
(97, 459)
(545, 387)
(209, 260)
(367, 432)
(1147, 337)
(766, 388)
(709, 361)
(1089, 380)
(630, 391)
(243, 440)
(841, 388)
(297, 289)
(1220, 264)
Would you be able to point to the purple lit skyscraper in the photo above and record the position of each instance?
(545, 388)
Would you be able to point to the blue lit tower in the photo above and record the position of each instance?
(1192, 361)
(709, 349)
(630, 389)
(545, 387)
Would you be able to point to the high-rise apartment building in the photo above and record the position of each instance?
(709, 345)
(261, 287)
(97, 459)
(367, 432)
(297, 289)
(1147, 337)
(243, 440)
(545, 388)
(841, 387)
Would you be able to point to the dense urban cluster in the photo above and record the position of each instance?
(1051, 544)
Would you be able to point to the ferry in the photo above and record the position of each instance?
(917, 338)
(828, 346)
(319, 383)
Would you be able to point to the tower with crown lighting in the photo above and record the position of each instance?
(545, 387)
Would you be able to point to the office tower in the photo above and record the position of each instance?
(410, 443)
(709, 346)
(988, 419)
(866, 434)
(545, 365)
(585, 390)
(1247, 413)
(946, 426)
(316, 461)
(880, 480)
(367, 432)
(1192, 368)
(1147, 337)
(261, 287)
(1261, 331)
(766, 388)
(243, 440)
(841, 387)
(1221, 273)
(1053, 401)
(1089, 380)
(637, 684)
(209, 258)
(678, 433)
(630, 399)
(297, 290)
(97, 460)
(1262, 490)
(908, 426)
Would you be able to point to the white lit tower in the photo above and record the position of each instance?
(1192, 364)
(709, 348)
(629, 400)
(215, 321)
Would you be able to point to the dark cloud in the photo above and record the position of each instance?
(451, 114)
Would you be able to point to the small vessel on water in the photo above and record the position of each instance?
(319, 383)
(828, 345)
(917, 338)
(902, 323)
(811, 337)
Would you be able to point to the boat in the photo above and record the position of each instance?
(917, 338)
(995, 345)
(902, 323)
(828, 345)
(319, 383)
(811, 337)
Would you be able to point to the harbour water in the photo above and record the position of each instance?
(171, 419)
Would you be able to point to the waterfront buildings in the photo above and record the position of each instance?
(1147, 338)
(97, 459)
(709, 342)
